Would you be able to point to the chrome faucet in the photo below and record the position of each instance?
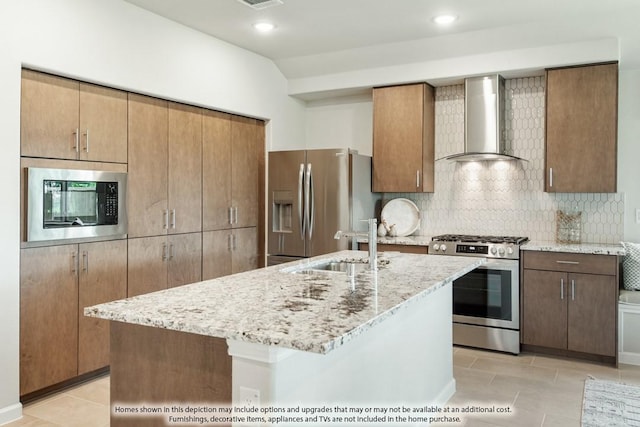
(372, 236)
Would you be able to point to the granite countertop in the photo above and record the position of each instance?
(582, 248)
(315, 312)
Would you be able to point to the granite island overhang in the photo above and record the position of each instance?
(290, 335)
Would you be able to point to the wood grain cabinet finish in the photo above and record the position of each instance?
(407, 249)
(229, 251)
(66, 119)
(160, 262)
(403, 138)
(569, 302)
(165, 170)
(57, 342)
(581, 129)
(231, 163)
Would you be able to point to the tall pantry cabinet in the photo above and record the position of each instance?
(195, 177)
(164, 195)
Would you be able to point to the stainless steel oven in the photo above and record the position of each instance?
(486, 301)
(68, 205)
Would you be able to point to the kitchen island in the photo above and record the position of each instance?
(288, 336)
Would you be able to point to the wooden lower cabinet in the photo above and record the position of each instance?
(229, 251)
(57, 342)
(48, 316)
(161, 262)
(570, 310)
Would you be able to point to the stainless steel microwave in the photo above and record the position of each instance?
(75, 205)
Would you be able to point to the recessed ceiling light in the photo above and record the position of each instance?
(264, 27)
(444, 19)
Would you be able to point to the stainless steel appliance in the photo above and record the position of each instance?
(313, 194)
(486, 301)
(70, 205)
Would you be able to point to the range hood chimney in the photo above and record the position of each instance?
(484, 120)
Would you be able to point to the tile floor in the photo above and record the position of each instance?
(540, 391)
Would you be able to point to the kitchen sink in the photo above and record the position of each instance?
(329, 266)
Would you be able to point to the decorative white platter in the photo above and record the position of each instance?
(402, 213)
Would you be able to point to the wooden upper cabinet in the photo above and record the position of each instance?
(147, 209)
(185, 169)
(403, 138)
(49, 116)
(65, 119)
(581, 129)
(244, 171)
(232, 146)
(216, 170)
(103, 124)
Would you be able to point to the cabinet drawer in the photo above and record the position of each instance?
(571, 262)
(408, 249)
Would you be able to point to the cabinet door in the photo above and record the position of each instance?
(48, 316)
(185, 259)
(216, 254)
(147, 177)
(102, 278)
(544, 305)
(103, 124)
(244, 171)
(592, 314)
(216, 170)
(185, 168)
(581, 129)
(244, 255)
(399, 132)
(49, 116)
(147, 269)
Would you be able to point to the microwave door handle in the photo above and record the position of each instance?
(300, 200)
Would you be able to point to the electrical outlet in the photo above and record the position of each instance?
(637, 216)
(249, 397)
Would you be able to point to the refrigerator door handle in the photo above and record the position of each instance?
(307, 194)
(300, 192)
(310, 202)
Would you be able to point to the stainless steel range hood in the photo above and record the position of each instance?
(484, 120)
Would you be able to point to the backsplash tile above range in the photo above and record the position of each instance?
(506, 197)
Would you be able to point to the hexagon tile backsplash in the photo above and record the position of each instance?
(506, 197)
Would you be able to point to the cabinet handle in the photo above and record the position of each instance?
(235, 242)
(86, 137)
(561, 289)
(173, 219)
(568, 262)
(164, 252)
(231, 215)
(229, 244)
(76, 145)
(235, 214)
(85, 261)
(550, 177)
(165, 218)
(573, 290)
(171, 251)
(74, 263)
(418, 179)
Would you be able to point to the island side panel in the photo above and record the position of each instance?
(407, 359)
(156, 367)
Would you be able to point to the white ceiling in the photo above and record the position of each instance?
(315, 37)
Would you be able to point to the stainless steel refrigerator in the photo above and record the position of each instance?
(312, 194)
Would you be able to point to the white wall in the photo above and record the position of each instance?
(629, 149)
(116, 44)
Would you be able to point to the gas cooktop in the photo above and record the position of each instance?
(507, 247)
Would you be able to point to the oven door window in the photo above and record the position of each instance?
(483, 293)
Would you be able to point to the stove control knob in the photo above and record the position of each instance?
(443, 247)
(436, 247)
(493, 250)
(501, 251)
(510, 250)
